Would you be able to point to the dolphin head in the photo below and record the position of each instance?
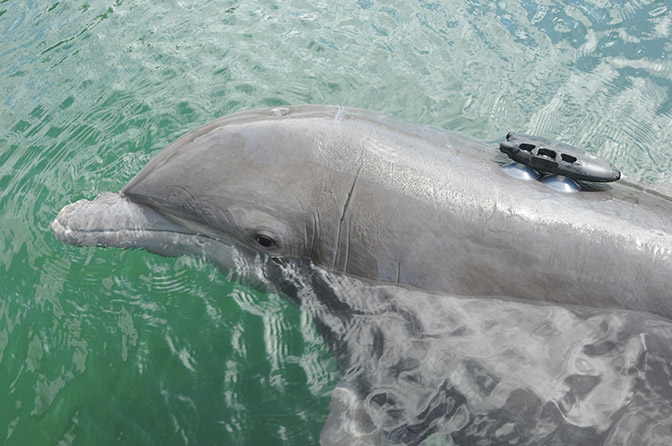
(244, 184)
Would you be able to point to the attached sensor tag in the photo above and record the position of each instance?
(556, 158)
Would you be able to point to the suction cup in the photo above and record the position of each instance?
(521, 171)
(561, 184)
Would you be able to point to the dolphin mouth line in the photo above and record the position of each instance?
(60, 228)
(114, 220)
(64, 232)
(125, 237)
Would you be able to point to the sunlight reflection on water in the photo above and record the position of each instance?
(99, 346)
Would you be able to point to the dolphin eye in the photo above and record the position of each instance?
(264, 241)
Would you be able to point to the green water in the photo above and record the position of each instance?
(123, 347)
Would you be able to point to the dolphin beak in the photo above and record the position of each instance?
(112, 220)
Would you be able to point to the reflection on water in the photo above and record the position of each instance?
(489, 371)
(110, 347)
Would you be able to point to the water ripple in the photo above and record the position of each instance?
(158, 350)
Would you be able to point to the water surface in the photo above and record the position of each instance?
(122, 347)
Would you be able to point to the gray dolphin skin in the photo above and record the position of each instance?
(382, 199)
(446, 289)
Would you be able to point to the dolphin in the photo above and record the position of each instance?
(381, 199)
(390, 234)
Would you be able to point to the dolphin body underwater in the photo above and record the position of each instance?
(390, 234)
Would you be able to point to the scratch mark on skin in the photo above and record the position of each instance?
(299, 202)
(306, 246)
(339, 114)
(315, 236)
(345, 210)
(305, 238)
(490, 216)
(347, 248)
(352, 189)
(231, 218)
